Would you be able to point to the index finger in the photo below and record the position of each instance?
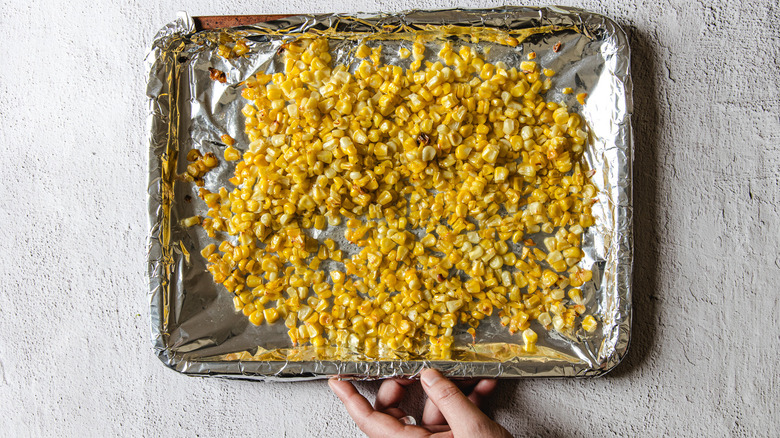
(366, 418)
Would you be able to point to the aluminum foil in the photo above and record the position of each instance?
(195, 329)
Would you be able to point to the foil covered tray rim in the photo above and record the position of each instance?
(161, 120)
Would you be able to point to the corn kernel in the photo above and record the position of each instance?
(589, 324)
(232, 154)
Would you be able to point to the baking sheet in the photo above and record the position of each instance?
(195, 328)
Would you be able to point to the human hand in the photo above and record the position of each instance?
(448, 412)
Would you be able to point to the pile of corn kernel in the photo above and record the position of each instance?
(439, 173)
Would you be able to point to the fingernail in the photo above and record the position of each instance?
(430, 377)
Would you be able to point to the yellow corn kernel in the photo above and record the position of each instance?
(269, 265)
(256, 317)
(270, 315)
(589, 323)
(232, 154)
(429, 240)
(208, 250)
(530, 337)
(363, 51)
(228, 140)
(490, 153)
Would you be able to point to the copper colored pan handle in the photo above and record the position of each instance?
(223, 21)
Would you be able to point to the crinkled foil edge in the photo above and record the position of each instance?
(163, 123)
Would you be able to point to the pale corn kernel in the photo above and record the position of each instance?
(191, 221)
(500, 175)
(490, 153)
(428, 153)
(558, 323)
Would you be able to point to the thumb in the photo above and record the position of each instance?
(461, 414)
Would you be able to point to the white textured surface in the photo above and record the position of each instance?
(75, 356)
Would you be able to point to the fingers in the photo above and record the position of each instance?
(481, 390)
(458, 411)
(476, 390)
(371, 422)
(432, 414)
(395, 412)
(390, 393)
(437, 428)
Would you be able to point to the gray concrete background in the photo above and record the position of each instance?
(75, 356)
